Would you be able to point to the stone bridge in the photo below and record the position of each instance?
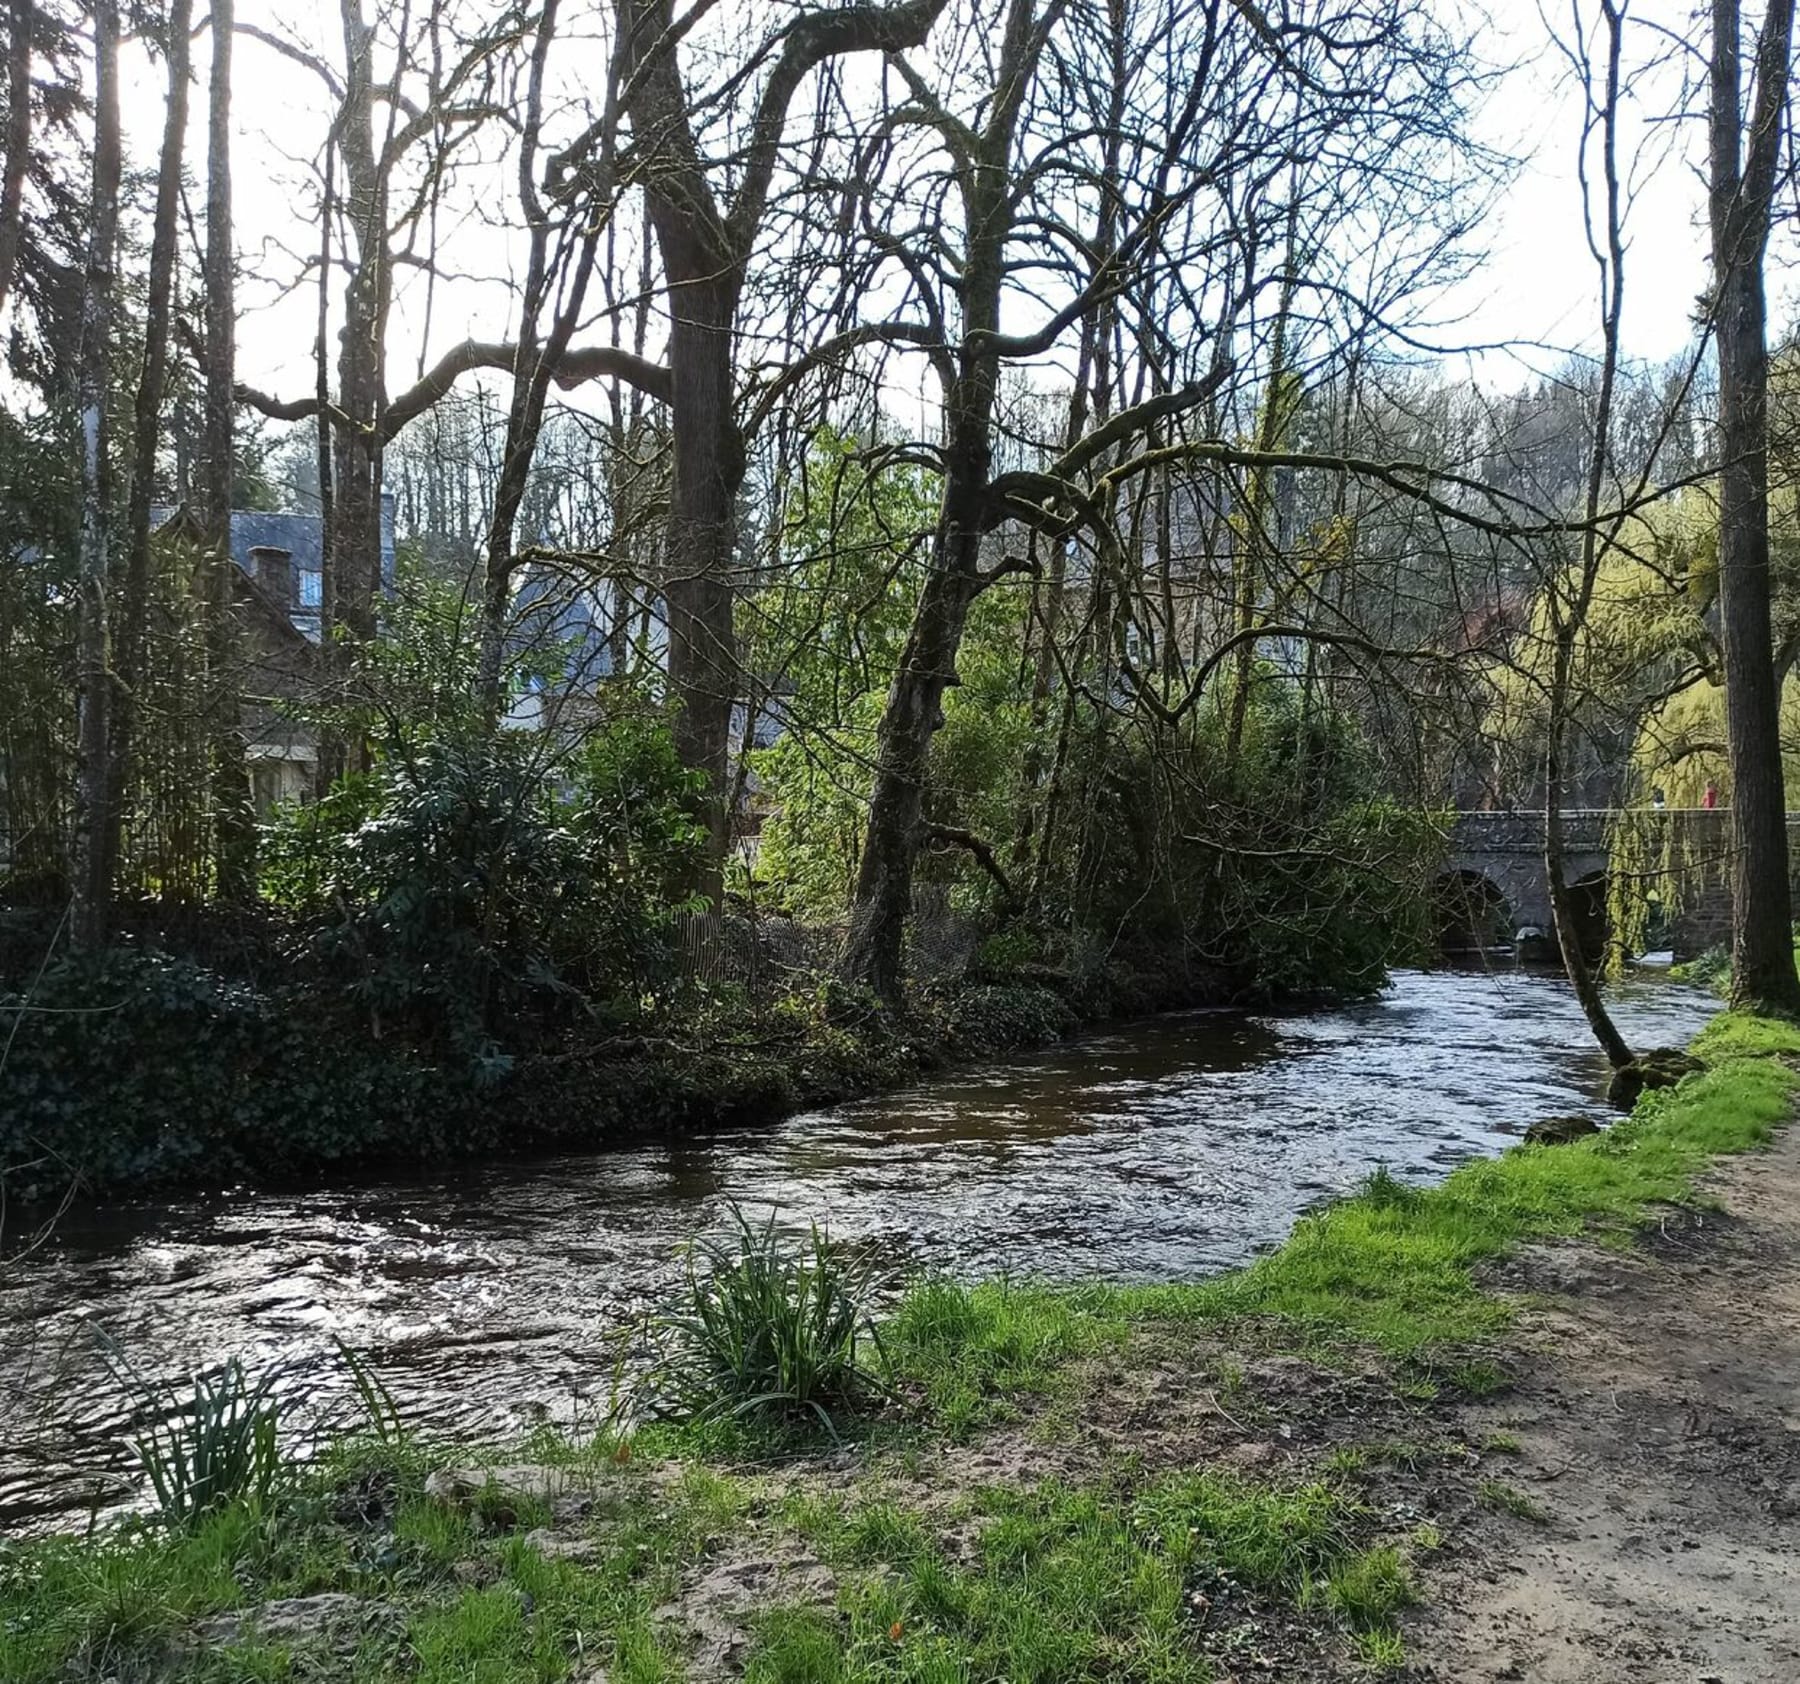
(1494, 884)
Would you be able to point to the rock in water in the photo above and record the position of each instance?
(1559, 1131)
(1662, 1067)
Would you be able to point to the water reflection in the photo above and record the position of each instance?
(1165, 1150)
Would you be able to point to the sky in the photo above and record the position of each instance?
(1539, 282)
(1529, 300)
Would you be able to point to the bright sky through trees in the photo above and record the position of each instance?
(1528, 301)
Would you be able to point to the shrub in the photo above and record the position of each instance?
(136, 1068)
(769, 1328)
(469, 888)
(995, 1017)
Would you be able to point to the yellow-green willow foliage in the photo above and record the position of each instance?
(1641, 633)
(1643, 681)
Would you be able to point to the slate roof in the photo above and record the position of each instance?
(303, 537)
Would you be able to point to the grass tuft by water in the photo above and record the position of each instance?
(213, 1448)
(766, 1327)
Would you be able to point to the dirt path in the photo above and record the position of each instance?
(1657, 1418)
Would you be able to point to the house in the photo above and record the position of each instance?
(277, 588)
(301, 538)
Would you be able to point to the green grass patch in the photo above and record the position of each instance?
(119, 1605)
(1502, 1498)
(1058, 1583)
(967, 1349)
(1395, 1265)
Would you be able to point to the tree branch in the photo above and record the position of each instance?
(573, 368)
(983, 852)
(810, 40)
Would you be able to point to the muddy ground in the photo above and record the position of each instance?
(1656, 1408)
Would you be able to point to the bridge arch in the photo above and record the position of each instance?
(1470, 911)
(1588, 895)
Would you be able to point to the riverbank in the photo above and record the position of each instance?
(1257, 1474)
(152, 1074)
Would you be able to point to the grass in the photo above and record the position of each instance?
(115, 1606)
(966, 1350)
(1117, 1575)
(213, 1449)
(1502, 1498)
(767, 1327)
(1063, 1583)
(1396, 1266)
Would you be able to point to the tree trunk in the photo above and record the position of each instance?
(1562, 912)
(1741, 193)
(872, 955)
(706, 248)
(1260, 529)
(330, 759)
(234, 817)
(146, 429)
(1568, 620)
(533, 360)
(90, 888)
(18, 143)
(349, 596)
(697, 583)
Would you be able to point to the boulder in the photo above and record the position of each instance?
(1559, 1131)
(1662, 1067)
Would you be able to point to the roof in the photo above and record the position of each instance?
(303, 537)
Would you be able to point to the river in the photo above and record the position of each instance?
(488, 1295)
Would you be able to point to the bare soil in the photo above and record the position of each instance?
(1656, 1409)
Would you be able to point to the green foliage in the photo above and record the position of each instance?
(1711, 969)
(458, 889)
(992, 1017)
(119, 1603)
(219, 1447)
(768, 1329)
(126, 1068)
(1273, 868)
(831, 623)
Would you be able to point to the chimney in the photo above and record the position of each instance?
(273, 569)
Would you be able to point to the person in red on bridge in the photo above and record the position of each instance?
(1710, 799)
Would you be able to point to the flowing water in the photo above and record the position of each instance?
(491, 1294)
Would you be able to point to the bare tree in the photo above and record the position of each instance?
(1742, 180)
(233, 819)
(1222, 104)
(538, 353)
(1569, 602)
(707, 237)
(147, 414)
